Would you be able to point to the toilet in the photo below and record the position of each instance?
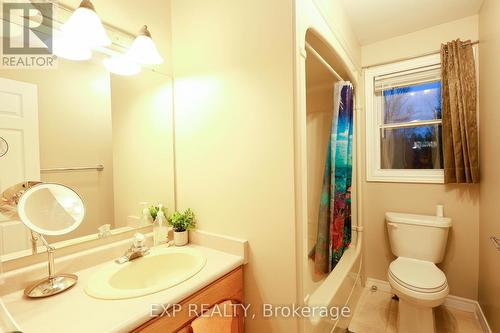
(419, 242)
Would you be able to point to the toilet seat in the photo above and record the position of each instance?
(417, 275)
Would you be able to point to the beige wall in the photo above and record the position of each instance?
(419, 42)
(142, 144)
(234, 107)
(336, 17)
(75, 130)
(489, 258)
(233, 67)
(461, 202)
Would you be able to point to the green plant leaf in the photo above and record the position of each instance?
(182, 221)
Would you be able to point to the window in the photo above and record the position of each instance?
(404, 126)
(411, 130)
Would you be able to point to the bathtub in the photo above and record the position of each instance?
(341, 288)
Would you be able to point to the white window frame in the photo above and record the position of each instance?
(374, 124)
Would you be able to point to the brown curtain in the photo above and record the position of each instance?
(459, 112)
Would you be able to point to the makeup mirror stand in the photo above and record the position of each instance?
(53, 284)
(34, 242)
(45, 209)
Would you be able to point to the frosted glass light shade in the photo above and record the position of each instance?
(86, 27)
(68, 48)
(122, 65)
(143, 49)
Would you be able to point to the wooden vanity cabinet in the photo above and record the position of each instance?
(227, 289)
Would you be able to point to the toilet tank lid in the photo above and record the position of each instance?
(427, 220)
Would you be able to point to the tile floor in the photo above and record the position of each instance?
(377, 312)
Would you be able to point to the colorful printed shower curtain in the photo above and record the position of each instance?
(334, 220)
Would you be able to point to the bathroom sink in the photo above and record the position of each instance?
(162, 268)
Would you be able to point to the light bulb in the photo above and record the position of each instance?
(122, 65)
(143, 49)
(85, 27)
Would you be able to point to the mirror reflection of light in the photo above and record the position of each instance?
(144, 51)
(67, 202)
(70, 203)
(51, 209)
(122, 65)
(78, 209)
(101, 84)
(161, 109)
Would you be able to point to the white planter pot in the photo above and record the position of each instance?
(180, 238)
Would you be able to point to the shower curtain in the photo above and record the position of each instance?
(334, 220)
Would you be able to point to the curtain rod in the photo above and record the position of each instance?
(323, 61)
(414, 57)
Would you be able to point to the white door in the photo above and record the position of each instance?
(19, 152)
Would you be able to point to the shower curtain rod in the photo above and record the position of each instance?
(413, 57)
(323, 61)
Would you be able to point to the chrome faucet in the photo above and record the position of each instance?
(137, 250)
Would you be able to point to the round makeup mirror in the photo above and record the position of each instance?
(51, 209)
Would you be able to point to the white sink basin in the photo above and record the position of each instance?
(162, 268)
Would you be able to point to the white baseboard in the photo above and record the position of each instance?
(482, 319)
(469, 305)
(454, 302)
(460, 303)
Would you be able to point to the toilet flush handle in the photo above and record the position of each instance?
(394, 225)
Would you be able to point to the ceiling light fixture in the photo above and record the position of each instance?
(66, 48)
(85, 27)
(143, 49)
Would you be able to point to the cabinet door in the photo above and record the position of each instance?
(186, 329)
(225, 317)
(229, 287)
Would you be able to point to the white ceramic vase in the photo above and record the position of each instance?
(180, 238)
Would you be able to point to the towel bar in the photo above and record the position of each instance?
(98, 167)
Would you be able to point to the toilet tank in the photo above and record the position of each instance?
(420, 237)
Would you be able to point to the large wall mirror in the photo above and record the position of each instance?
(107, 137)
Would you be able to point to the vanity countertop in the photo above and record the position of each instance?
(74, 311)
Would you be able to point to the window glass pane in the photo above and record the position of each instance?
(412, 148)
(418, 102)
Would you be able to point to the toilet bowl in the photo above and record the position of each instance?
(414, 276)
(420, 286)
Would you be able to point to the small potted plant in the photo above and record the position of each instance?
(153, 210)
(182, 223)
